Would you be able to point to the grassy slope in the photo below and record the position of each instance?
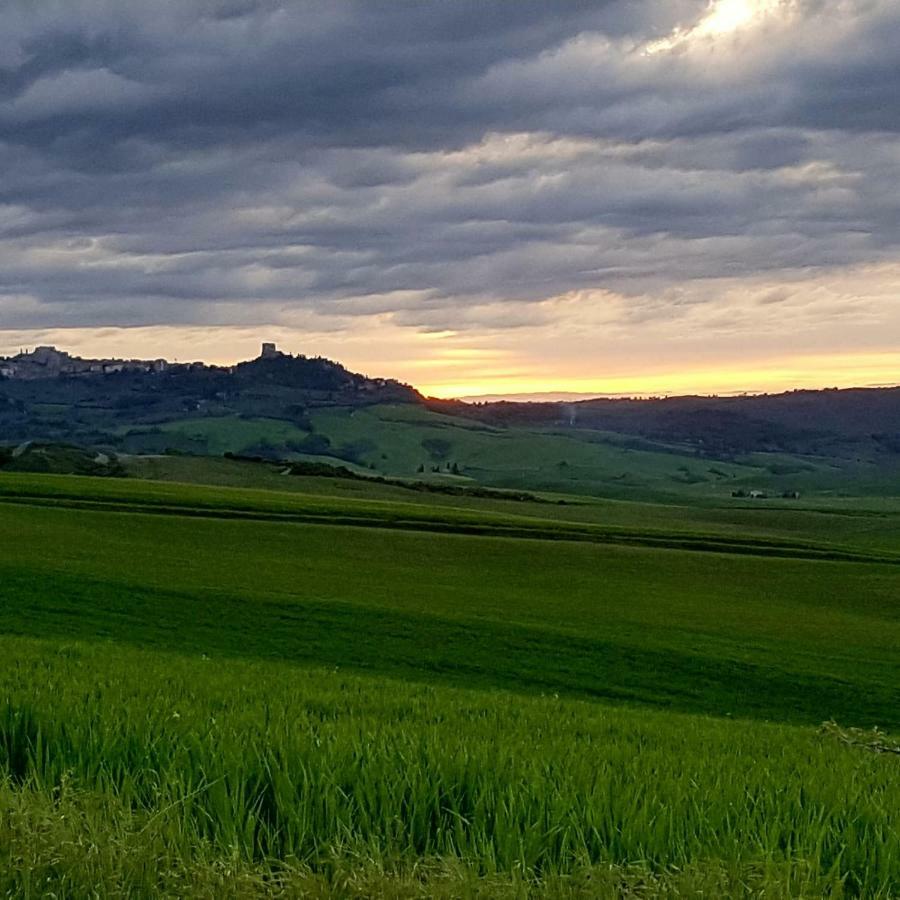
(327, 695)
(218, 434)
(753, 632)
(866, 524)
(504, 456)
(587, 461)
(188, 775)
(231, 432)
(390, 439)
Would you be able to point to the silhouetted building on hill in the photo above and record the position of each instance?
(48, 362)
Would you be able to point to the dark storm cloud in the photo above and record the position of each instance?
(216, 161)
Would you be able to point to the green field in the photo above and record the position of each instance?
(410, 441)
(350, 689)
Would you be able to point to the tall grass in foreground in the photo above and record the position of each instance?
(137, 772)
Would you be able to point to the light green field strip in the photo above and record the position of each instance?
(183, 500)
(776, 636)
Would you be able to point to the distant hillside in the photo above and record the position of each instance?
(824, 423)
(52, 396)
(288, 409)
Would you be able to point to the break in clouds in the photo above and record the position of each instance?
(451, 165)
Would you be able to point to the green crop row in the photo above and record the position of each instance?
(269, 767)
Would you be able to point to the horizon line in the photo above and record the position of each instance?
(543, 396)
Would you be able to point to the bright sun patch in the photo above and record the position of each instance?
(722, 17)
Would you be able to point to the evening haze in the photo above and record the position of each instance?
(479, 199)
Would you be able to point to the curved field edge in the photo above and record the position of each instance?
(696, 676)
(787, 639)
(237, 503)
(139, 772)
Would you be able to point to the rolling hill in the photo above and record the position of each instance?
(286, 408)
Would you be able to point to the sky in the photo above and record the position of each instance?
(476, 197)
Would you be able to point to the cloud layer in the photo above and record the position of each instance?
(463, 166)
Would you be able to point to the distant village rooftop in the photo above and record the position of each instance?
(48, 362)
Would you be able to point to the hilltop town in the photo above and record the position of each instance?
(49, 394)
(48, 362)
